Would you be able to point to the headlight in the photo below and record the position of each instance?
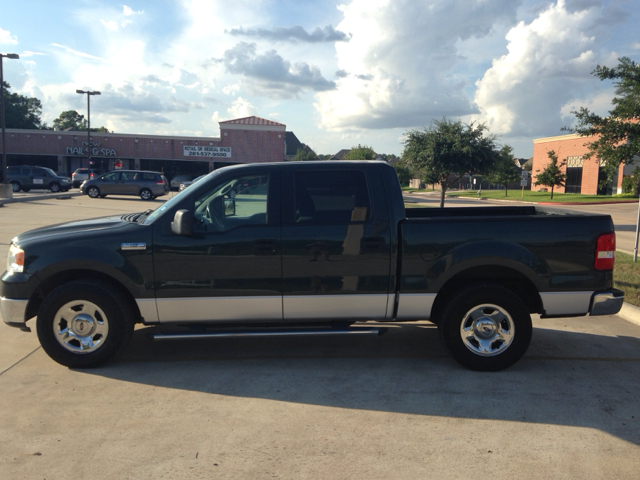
(15, 259)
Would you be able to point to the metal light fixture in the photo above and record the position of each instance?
(5, 178)
(89, 93)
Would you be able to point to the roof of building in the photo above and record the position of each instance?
(252, 121)
(293, 144)
(340, 155)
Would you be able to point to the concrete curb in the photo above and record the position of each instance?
(35, 198)
(630, 313)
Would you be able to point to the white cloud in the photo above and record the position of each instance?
(28, 53)
(526, 91)
(128, 11)
(240, 108)
(76, 52)
(6, 38)
(110, 25)
(399, 67)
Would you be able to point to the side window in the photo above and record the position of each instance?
(331, 197)
(235, 202)
(111, 177)
(148, 176)
(129, 176)
(26, 171)
(13, 170)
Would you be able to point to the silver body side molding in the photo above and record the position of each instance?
(327, 307)
(148, 309)
(216, 309)
(566, 303)
(415, 306)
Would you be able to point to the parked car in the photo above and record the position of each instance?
(188, 183)
(178, 180)
(82, 174)
(26, 177)
(313, 248)
(148, 185)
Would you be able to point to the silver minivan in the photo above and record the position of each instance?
(147, 185)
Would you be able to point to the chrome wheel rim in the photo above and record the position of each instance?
(145, 194)
(54, 187)
(15, 187)
(487, 330)
(93, 192)
(80, 326)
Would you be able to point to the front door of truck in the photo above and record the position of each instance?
(336, 245)
(229, 268)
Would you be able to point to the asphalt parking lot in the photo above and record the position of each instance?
(394, 406)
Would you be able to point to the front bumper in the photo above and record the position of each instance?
(13, 312)
(607, 303)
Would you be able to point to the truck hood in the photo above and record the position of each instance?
(71, 228)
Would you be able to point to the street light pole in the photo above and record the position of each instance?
(89, 93)
(4, 191)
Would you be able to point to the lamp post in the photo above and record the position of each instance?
(89, 93)
(5, 191)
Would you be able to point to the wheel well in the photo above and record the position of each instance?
(55, 281)
(503, 276)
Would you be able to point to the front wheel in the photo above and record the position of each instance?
(84, 323)
(54, 187)
(485, 327)
(15, 186)
(93, 192)
(145, 194)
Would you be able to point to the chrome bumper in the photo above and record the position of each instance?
(13, 312)
(608, 303)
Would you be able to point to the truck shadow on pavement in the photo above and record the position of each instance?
(566, 378)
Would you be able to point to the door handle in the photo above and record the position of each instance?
(265, 247)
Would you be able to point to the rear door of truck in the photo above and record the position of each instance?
(336, 244)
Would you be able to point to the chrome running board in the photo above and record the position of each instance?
(265, 333)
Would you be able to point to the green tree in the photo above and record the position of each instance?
(450, 149)
(552, 175)
(304, 154)
(324, 156)
(505, 170)
(617, 136)
(361, 152)
(22, 112)
(404, 173)
(72, 119)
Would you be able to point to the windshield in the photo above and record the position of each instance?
(169, 204)
(50, 172)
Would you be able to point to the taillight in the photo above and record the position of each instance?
(160, 182)
(605, 252)
(91, 175)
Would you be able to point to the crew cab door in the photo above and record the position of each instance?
(229, 268)
(335, 244)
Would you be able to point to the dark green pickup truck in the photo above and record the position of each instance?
(308, 248)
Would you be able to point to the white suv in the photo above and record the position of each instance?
(82, 174)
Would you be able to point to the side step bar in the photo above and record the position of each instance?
(264, 333)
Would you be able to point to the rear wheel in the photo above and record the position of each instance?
(93, 192)
(145, 194)
(84, 323)
(485, 327)
(54, 187)
(15, 186)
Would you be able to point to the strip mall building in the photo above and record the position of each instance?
(244, 140)
(583, 175)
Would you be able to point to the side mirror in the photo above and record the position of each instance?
(181, 224)
(229, 207)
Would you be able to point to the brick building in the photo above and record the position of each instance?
(583, 175)
(243, 140)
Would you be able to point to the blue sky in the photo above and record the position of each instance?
(337, 74)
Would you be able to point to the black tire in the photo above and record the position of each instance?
(25, 189)
(146, 194)
(103, 195)
(15, 186)
(54, 187)
(65, 189)
(98, 307)
(496, 338)
(93, 192)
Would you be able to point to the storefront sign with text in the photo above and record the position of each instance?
(210, 152)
